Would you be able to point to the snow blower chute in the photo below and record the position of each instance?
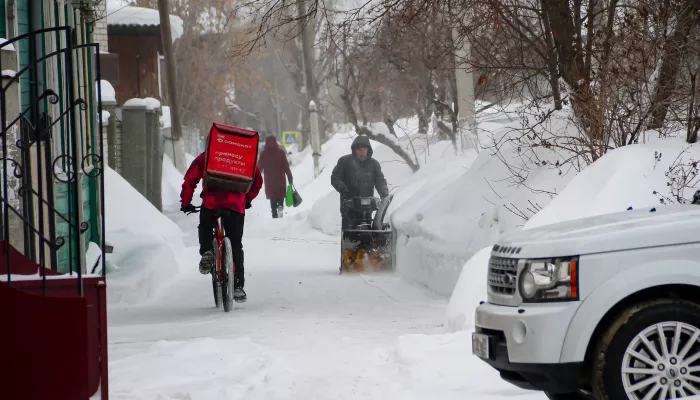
(366, 243)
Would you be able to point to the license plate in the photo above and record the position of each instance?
(480, 345)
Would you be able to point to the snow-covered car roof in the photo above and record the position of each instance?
(140, 16)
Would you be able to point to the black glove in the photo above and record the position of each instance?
(248, 205)
(188, 209)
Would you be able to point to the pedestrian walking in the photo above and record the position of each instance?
(274, 166)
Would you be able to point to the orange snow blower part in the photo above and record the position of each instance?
(367, 242)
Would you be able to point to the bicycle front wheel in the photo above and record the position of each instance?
(216, 285)
(227, 267)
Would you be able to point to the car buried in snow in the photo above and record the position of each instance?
(605, 307)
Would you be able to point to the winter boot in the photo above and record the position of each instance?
(239, 294)
(206, 263)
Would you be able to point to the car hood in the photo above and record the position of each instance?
(648, 227)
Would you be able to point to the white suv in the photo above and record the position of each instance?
(606, 307)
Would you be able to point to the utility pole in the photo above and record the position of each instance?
(315, 137)
(465, 89)
(167, 39)
(278, 106)
(307, 25)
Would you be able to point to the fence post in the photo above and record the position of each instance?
(111, 127)
(315, 139)
(156, 157)
(134, 145)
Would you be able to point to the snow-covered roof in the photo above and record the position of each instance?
(139, 16)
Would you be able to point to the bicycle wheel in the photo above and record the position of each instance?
(216, 286)
(227, 284)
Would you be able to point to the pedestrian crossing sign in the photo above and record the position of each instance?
(289, 138)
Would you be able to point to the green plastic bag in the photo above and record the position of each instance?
(289, 198)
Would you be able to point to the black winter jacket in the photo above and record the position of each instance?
(353, 177)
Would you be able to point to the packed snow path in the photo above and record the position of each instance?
(305, 333)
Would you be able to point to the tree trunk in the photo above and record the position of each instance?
(176, 125)
(671, 63)
(692, 135)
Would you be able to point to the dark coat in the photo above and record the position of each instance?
(274, 166)
(353, 177)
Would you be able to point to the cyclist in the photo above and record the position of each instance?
(214, 202)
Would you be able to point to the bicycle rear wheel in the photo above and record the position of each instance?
(227, 267)
(216, 286)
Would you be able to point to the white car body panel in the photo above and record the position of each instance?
(620, 254)
(636, 271)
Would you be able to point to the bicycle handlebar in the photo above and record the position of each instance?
(196, 210)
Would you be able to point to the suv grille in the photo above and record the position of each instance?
(503, 273)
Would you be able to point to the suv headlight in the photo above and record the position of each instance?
(550, 280)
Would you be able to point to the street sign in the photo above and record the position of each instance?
(289, 138)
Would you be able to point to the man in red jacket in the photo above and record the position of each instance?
(212, 201)
(274, 165)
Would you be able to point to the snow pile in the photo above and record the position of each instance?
(107, 91)
(172, 184)
(165, 120)
(136, 103)
(151, 103)
(460, 205)
(5, 46)
(626, 177)
(146, 244)
(469, 291)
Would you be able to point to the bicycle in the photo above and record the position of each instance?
(224, 271)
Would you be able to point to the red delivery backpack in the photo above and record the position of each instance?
(230, 158)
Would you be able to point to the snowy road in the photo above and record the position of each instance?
(305, 333)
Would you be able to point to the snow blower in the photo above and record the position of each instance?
(366, 243)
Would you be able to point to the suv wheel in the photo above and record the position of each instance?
(651, 351)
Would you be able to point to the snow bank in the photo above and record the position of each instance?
(325, 214)
(625, 177)
(459, 205)
(172, 184)
(107, 91)
(146, 243)
(469, 291)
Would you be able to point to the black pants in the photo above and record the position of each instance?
(274, 204)
(233, 225)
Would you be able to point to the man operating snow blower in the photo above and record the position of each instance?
(366, 239)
